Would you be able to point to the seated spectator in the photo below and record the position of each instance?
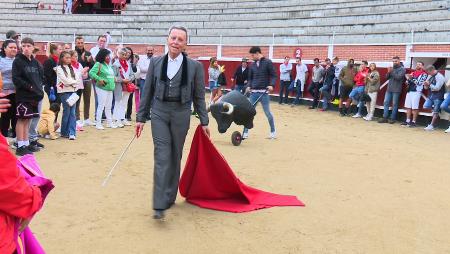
(327, 83)
(347, 78)
(47, 126)
(371, 89)
(358, 91)
(446, 103)
(414, 82)
(437, 90)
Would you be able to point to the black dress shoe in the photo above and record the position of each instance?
(23, 150)
(36, 143)
(158, 214)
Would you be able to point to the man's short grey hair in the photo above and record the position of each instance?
(430, 68)
(182, 28)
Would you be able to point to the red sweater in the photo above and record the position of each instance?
(360, 77)
(17, 198)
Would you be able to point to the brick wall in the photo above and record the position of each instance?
(195, 51)
(240, 51)
(431, 48)
(307, 52)
(370, 52)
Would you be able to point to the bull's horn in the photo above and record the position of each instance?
(229, 107)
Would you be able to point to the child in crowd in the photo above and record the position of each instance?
(81, 74)
(47, 126)
(67, 85)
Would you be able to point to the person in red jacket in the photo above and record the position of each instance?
(358, 90)
(19, 201)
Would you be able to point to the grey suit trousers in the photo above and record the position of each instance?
(170, 124)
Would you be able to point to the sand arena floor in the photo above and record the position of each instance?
(368, 188)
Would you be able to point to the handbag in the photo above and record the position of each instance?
(130, 87)
(72, 99)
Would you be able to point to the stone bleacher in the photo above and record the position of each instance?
(241, 21)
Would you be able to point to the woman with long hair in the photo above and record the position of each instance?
(213, 72)
(123, 75)
(133, 60)
(8, 119)
(67, 84)
(372, 87)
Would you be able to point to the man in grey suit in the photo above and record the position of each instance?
(173, 83)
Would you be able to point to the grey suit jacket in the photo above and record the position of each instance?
(193, 92)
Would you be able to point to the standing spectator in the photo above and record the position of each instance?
(435, 83)
(213, 72)
(81, 74)
(101, 44)
(347, 80)
(358, 91)
(261, 80)
(414, 83)
(318, 72)
(143, 64)
(336, 83)
(54, 51)
(396, 77)
(446, 103)
(372, 87)
(300, 79)
(103, 75)
(132, 61)
(85, 59)
(221, 83)
(8, 119)
(67, 47)
(328, 80)
(13, 35)
(285, 80)
(27, 76)
(240, 76)
(68, 7)
(68, 82)
(123, 76)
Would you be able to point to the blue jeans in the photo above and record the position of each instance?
(325, 90)
(240, 88)
(446, 103)
(355, 94)
(32, 131)
(437, 105)
(213, 85)
(298, 91)
(69, 120)
(387, 101)
(265, 102)
(141, 87)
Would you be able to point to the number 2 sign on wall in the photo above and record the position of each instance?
(297, 53)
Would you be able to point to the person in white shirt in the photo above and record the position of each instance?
(124, 75)
(336, 83)
(101, 44)
(285, 80)
(300, 79)
(142, 65)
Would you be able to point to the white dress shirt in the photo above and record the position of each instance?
(174, 65)
(142, 65)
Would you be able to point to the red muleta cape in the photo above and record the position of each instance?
(209, 182)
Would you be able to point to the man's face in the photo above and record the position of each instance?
(299, 61)
(419, 66)
(432, 72)
(396, 62)
(101, 42)
(316, 63)
(67, 47)
(27, 49)
(79, 43)
(286, 60)
(328, 62)
(335, 62)
(255, 56)
(363, 66)
(177, 41)
(150, 51)
(244, 64)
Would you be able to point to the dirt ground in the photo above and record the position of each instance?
(368, 188)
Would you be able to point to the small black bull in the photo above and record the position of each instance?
(233, 107)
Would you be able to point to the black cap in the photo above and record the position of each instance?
(11, 34)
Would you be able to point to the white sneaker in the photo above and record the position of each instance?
(72, 137)
(80, 123)
(125, 122)
(111, 125)
(357, 116)
(447, 130)
(99, 127)
(272, 135)
(429, 128)
(245, 135)
(88, 122)
(58, 130)
(47, 137)
(119, 124)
